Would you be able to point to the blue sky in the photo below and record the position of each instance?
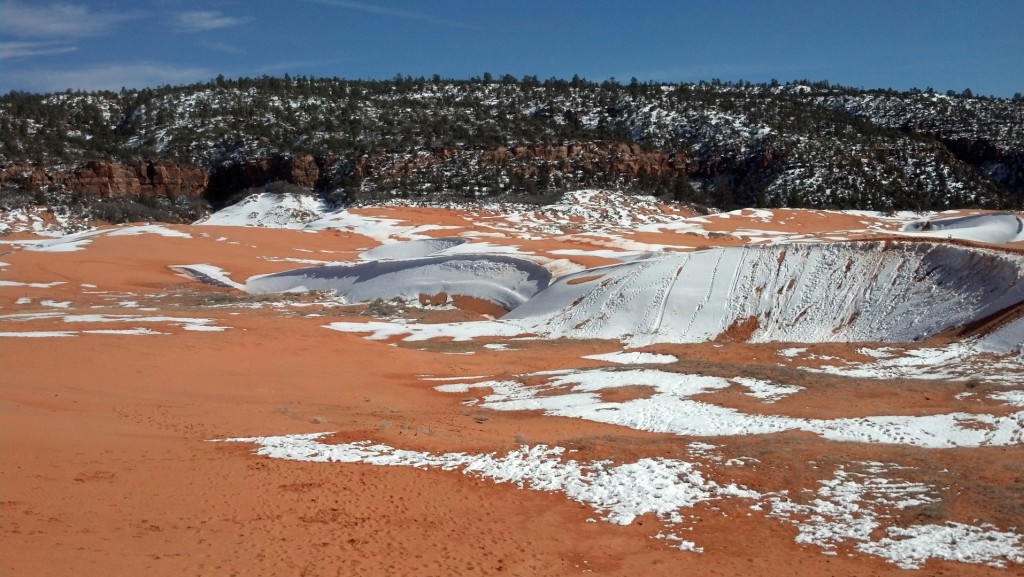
(947, 45)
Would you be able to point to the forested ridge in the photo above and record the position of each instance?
(720, 144)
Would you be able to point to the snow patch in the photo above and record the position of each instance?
(670, 409)
(910, 547)
(422, 332)
(38, 334)
(31, 284)
(149, 229)
(767, 391)
(634, 358)
(850, 507)
(620, 493)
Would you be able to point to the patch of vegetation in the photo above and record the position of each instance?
(381, 308)
(122, 209)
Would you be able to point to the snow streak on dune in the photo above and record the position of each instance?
(504, 280)
(411, 249)
(995, 228)
(893, 292)
(208, 274)
(1007, 338)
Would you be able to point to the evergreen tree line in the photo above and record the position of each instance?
(830, 145)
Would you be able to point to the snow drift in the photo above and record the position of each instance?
(995, 228)
(504, 280)
(872, 291)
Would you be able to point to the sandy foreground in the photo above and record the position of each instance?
(125, 372)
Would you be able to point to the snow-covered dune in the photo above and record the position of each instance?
(995, 228)
(504, 280)
(894, 292)
(411, 249)
(1004, 339)
(208, 274)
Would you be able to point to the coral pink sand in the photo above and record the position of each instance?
(107, 469)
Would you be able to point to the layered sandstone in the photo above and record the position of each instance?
(109, 179)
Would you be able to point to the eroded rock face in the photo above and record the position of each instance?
(30, 176)
(303, 171)
(105, 179)
(617, 161)
(109, 179)
(172, 180)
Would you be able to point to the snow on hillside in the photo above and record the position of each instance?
(597, 209)
(304, 212)
(269, 210)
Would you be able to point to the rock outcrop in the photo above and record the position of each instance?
(605, 161)
(108, 179)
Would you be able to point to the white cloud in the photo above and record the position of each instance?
(206, 20)
(105, 77)
(9, 50)
(59, 20)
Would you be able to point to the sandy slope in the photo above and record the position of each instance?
(107, 468)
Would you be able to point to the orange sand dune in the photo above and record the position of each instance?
(107, 469)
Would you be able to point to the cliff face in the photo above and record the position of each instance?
(607, 160)
(108, 179)
(305, 171)
(457, 169)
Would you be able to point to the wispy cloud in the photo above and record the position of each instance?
(105, 77)
(206, 20)
(59, 21)
(9, 50)
(393, 13)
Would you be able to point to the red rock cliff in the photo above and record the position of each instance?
(108, 179)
